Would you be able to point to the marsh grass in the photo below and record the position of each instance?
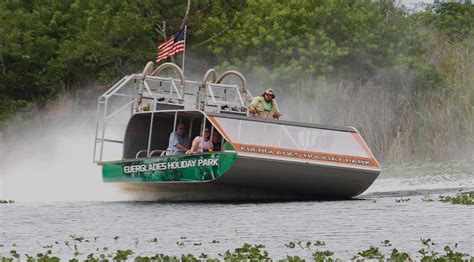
(403, 116)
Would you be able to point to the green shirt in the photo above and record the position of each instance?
(262, 106)
(267, 106)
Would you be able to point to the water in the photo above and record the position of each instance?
(59, 194)
(346, 226)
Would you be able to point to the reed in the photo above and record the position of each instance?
(401, 119)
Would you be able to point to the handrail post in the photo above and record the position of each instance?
(151, 130)
(174, 129)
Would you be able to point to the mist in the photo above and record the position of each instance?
(49, 158)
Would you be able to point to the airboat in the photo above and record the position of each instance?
(258, 159)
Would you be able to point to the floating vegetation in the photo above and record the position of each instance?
(324, 256)
(402, 200)
(257, 252)
(77, 238)
(371, 253)
(319, 243)
(154, 240)
(122, 255)
(3, 201)
(247, 252)
(290, 245)
(462, 198)
(308, 244)
(427, 198)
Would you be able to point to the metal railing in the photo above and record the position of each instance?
(148, 92)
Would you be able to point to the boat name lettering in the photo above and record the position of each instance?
(307, 155)
(256, 149)
(170, 165)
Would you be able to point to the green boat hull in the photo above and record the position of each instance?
(184, 168)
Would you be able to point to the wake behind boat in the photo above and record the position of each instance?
(252, 158)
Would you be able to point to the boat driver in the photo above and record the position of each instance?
(179, 141)
(265, 106)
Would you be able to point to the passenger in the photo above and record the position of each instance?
(216, 141)
(265, 106)
(179, 142)
(198, 143)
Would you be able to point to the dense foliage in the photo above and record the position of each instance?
(417, 62)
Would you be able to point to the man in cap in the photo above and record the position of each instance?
(265, 106)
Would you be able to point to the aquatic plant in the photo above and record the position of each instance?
(294, 259)
(40, 257)
(122, 255)
(371, 253)
(427, 198)
(462, 198)
(429, 254)
(308, 244)
(154, 240)
(395, 255)
(182, 258)
(249, 252)
(321, 256)
(402, 200)
(319, 243)
(77, 238)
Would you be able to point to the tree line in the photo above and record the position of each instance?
(403, 76)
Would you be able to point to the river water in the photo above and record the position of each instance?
(59, 196)
(394, 208)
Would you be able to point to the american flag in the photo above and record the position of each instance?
(174, 45)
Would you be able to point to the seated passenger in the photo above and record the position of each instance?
(198, 143)
(179, 141)
(265, 106)
(216, 141)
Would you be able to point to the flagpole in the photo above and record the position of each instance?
(184, 51)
